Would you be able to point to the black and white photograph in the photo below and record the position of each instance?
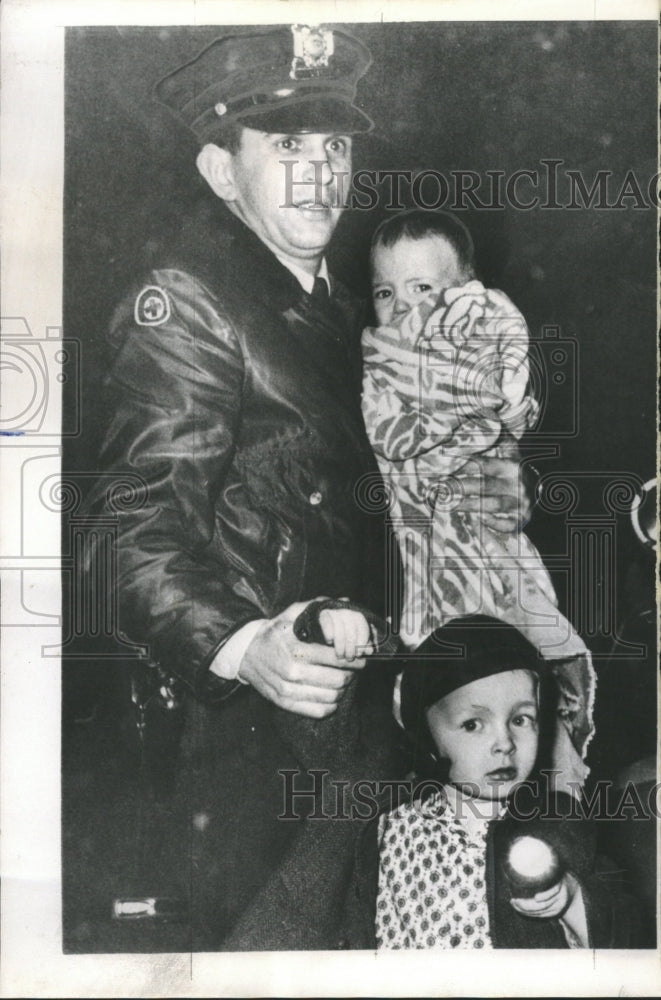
(341, 439)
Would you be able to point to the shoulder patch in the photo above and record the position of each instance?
(152, 306)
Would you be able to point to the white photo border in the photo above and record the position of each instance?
(33, 962)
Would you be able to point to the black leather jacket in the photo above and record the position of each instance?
(241, 414)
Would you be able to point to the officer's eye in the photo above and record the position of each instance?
(381, 293)
(288, 143)
(338, 145)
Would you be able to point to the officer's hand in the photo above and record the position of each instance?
(306, 678)
(347, 631)
(495, 490)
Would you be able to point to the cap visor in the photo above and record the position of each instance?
(323, 117)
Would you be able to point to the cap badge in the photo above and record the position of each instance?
(313, 46)
(152, 306)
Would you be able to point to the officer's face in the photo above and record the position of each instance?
(289, 189)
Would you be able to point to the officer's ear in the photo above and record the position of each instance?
(215, 165)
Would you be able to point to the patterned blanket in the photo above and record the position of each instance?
(444, 385)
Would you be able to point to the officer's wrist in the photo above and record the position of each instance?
(227, 661)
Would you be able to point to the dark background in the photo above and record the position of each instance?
(477, 96)
(471, 96)
(496, 96)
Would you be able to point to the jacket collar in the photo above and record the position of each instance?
(249, 262)
(216, 245)
(304, 278)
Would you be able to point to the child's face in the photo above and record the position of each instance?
(488, 730)
(407, 272)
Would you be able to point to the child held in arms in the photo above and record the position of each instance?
(445, 384)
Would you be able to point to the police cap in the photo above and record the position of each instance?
(296, 79)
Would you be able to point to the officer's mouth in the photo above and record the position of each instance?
(314, 209)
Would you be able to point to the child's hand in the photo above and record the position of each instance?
(348, 632)
(564, 900)
(550, 903)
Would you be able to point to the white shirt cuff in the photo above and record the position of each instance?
(227, 660)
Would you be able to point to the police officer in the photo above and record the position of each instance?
(236, 391)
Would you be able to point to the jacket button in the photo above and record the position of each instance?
(315, 498)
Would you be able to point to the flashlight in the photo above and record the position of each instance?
(531, 866)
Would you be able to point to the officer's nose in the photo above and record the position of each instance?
(317, 170)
